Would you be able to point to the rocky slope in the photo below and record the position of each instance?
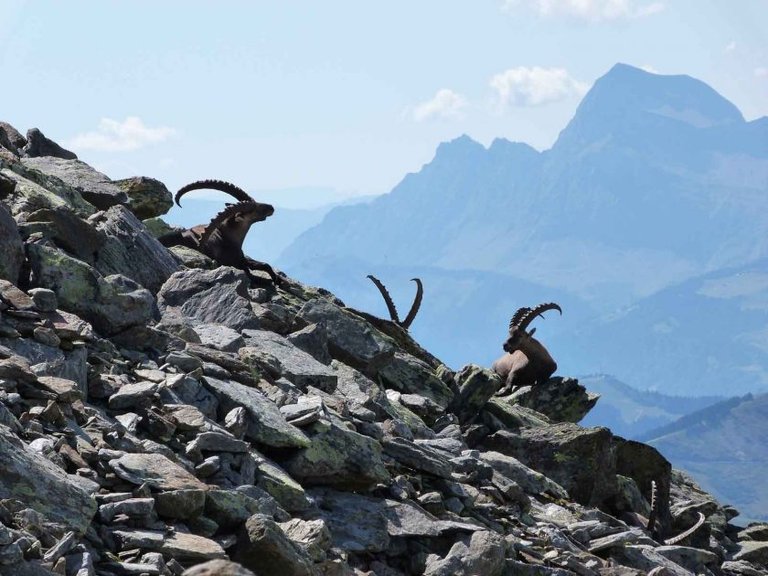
(158, 416)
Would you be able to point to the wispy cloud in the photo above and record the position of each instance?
(120, 136)
(730, 47)
(444, 104)
(649, 68)
(535, 86)
(761, 72)
(592, 10)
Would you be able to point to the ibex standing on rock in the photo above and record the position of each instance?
(526, 361)
(222, 238)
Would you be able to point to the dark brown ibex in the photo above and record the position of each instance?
(222, 238)
(526, 362)
(391, 305)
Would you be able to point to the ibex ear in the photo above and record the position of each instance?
(532, 332)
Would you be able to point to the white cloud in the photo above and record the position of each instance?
(525, 86)
(761, 72)
(445, 104)
(730, 47)
(592, 10)
(115, 136)
(650, 69)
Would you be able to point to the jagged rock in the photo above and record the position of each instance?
(644, 464)
(147, 197)
(408, 374)
(265, 423)
(38, 145)
(646, 558)
(755, 552)
(112, 304)
(217, 296)
(35, 190)
(581, 460)
(513, 416)
(337, 457)
(311, 536)
(218, 568)
(11, 247)
(476, 385)
(39, 483)
(155, 470)
(45, 300)
(692, 559)
(92, 185)
(560, 399)
(350, 339)
(304, 412)
(755, 532)
(478, 553)
(531, 481)
(219, 337)
(67, 230)
(741, 567)
(183, 504)
(129, 249)
(264, 547)
(418, 456)
(11, 139)
(357, 523)
(277, 483)
(7, 186)
(295, 364)
(313, 340)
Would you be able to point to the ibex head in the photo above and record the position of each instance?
(519, 324)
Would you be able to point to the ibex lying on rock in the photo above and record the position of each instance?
(391, 305)
(526, 361)
(222, 238)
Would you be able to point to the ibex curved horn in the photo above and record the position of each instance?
(391, 305)
(387, 298)
(527, 317)
(517, 316)
(416, 303)
(235, 191)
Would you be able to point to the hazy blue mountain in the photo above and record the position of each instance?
(633, 413)
(657, 183)
(705, 335)
(725, 447)
(655, 180)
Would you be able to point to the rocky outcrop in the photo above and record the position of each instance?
(166, 421)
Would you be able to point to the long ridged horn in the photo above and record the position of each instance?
(517, 316)
(387, 298)
(236, 192)
(687, 533)
(537, 311)
(416, 304)
(654, 507)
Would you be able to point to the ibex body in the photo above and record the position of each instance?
(222, 238)
(526, 361)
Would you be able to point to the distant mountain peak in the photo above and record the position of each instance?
(632, 99)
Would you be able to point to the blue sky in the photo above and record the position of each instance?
(343, 98)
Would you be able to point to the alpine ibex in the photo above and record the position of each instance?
(222, 238)
(526, 361)
(391, 305)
